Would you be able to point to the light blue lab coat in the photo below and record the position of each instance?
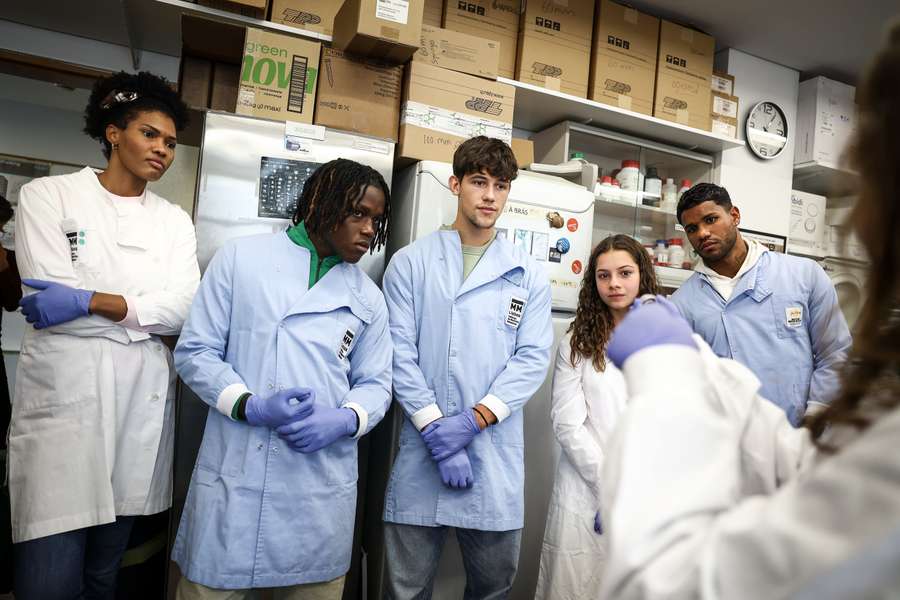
(797, 356)
(454, 344)
(259, 514)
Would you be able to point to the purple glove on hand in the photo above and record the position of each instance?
(448, 435)
(652, 321)
(456, 471)
(279, 408)
(598, 526)
(55, 303)
(321, 427)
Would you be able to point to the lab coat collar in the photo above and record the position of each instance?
(752, 283)
(131, 219)
(499, 260)
(340, 287)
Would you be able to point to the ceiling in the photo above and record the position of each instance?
(834, 38)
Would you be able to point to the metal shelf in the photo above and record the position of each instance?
(538, 108)
(625, 209)
(818, 178)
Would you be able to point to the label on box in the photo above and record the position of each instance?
(724, 128)
(724, 107)
(392, 10)
(304, 130)
(721, 85)
(372, 146)
(453, 123)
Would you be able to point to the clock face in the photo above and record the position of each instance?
(767, 132)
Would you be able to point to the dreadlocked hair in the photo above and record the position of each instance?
(594, 321)
(333, 191)
(153, 94)
(870, 384)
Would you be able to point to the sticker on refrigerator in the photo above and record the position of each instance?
(572, 225)
(392, 10)
(555, 255)
(555, 219)
(540, 245)
(522, 238)
(280, 183)
(576, 267)
(563, 245)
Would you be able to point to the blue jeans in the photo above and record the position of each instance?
(412, 554)
(73, 565)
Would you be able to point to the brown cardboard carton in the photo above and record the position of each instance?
(523, 150)
(723, 114)
(623, 59)
(459, 52)
(249, 8)
(225, 83)
(278, 77)
(385, 29)
(434, 13)
(683, 74)
(194, 81)
(554, 48)
(442, 108)
(722, 83)
(311, 15)
(358, 94)
(496, 20)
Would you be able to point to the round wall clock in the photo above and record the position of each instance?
(766, 130)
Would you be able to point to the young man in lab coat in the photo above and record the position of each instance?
(288, 343)
(470, 321)
(777, 314)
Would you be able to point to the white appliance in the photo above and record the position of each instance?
(807, 235)
(826, 121)
(553, 218)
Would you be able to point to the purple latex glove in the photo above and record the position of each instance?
(448, 435)
(55, 303)
(652, 321)
(598, 525)
(456, 471)
(279, 408)
(321, 427)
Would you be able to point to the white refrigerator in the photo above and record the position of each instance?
(553, 219)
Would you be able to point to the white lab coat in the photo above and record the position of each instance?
(584, 407)
(703, 500)
(92, 416)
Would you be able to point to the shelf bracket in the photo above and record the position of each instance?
(129, 31)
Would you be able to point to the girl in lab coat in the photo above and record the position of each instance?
(680, 524)
(108, 268)
(588, 396)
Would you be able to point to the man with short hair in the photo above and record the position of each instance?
(470, 321)
(775, 313)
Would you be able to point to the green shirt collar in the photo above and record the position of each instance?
(318, 267)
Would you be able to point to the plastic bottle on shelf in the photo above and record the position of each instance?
(604, 187)
(669, 195)
(652, 185)
(629, 175)
(676, 253)
(615, 193)
(662, 253)
(685, 186)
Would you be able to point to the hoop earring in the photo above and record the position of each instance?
(115, 146)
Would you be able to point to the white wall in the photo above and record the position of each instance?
(760, 188)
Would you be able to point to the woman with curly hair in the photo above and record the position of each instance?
(588, 396)
(108, 268)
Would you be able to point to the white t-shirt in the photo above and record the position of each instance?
(725, 285)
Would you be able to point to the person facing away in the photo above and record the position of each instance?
(288, 343)
(109, 271)
(470, 321)
(775, 313)
(588, 395)
(681, 524)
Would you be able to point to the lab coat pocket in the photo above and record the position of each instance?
(509, 432)
(53, 373)
(341, 464)
(790, 316)
(85, 249)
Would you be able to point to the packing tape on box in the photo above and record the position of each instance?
(453, 123)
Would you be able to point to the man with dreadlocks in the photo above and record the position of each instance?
(288, 343)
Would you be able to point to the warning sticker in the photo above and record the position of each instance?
(392, 10)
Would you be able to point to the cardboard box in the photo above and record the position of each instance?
(523, 150)
(623, 58)
(808, 233)
(683, 74)
(722, 83)
(278, 77)
(826, 121)
(385, 29)
(249, 8)
(225, 83)
(194, 81)
(434, 13)
(496, 20)
(723, 105)
(554, 48)
(311, 15)
(358, 94)
(459, 52)
(442, 108)
(723, 126)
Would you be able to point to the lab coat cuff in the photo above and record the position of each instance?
(363, 417)
(228, 397)
(422, 417)
(131, 319)
(657, 370)
(496, 406)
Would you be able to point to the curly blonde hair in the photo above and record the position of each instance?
(594, 322)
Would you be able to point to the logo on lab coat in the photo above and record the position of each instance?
(793, 316)
(514, 312)
(346, 344)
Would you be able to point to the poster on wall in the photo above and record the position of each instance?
(772, 241)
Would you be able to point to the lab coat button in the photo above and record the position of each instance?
(270, 386)
(259, 446)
